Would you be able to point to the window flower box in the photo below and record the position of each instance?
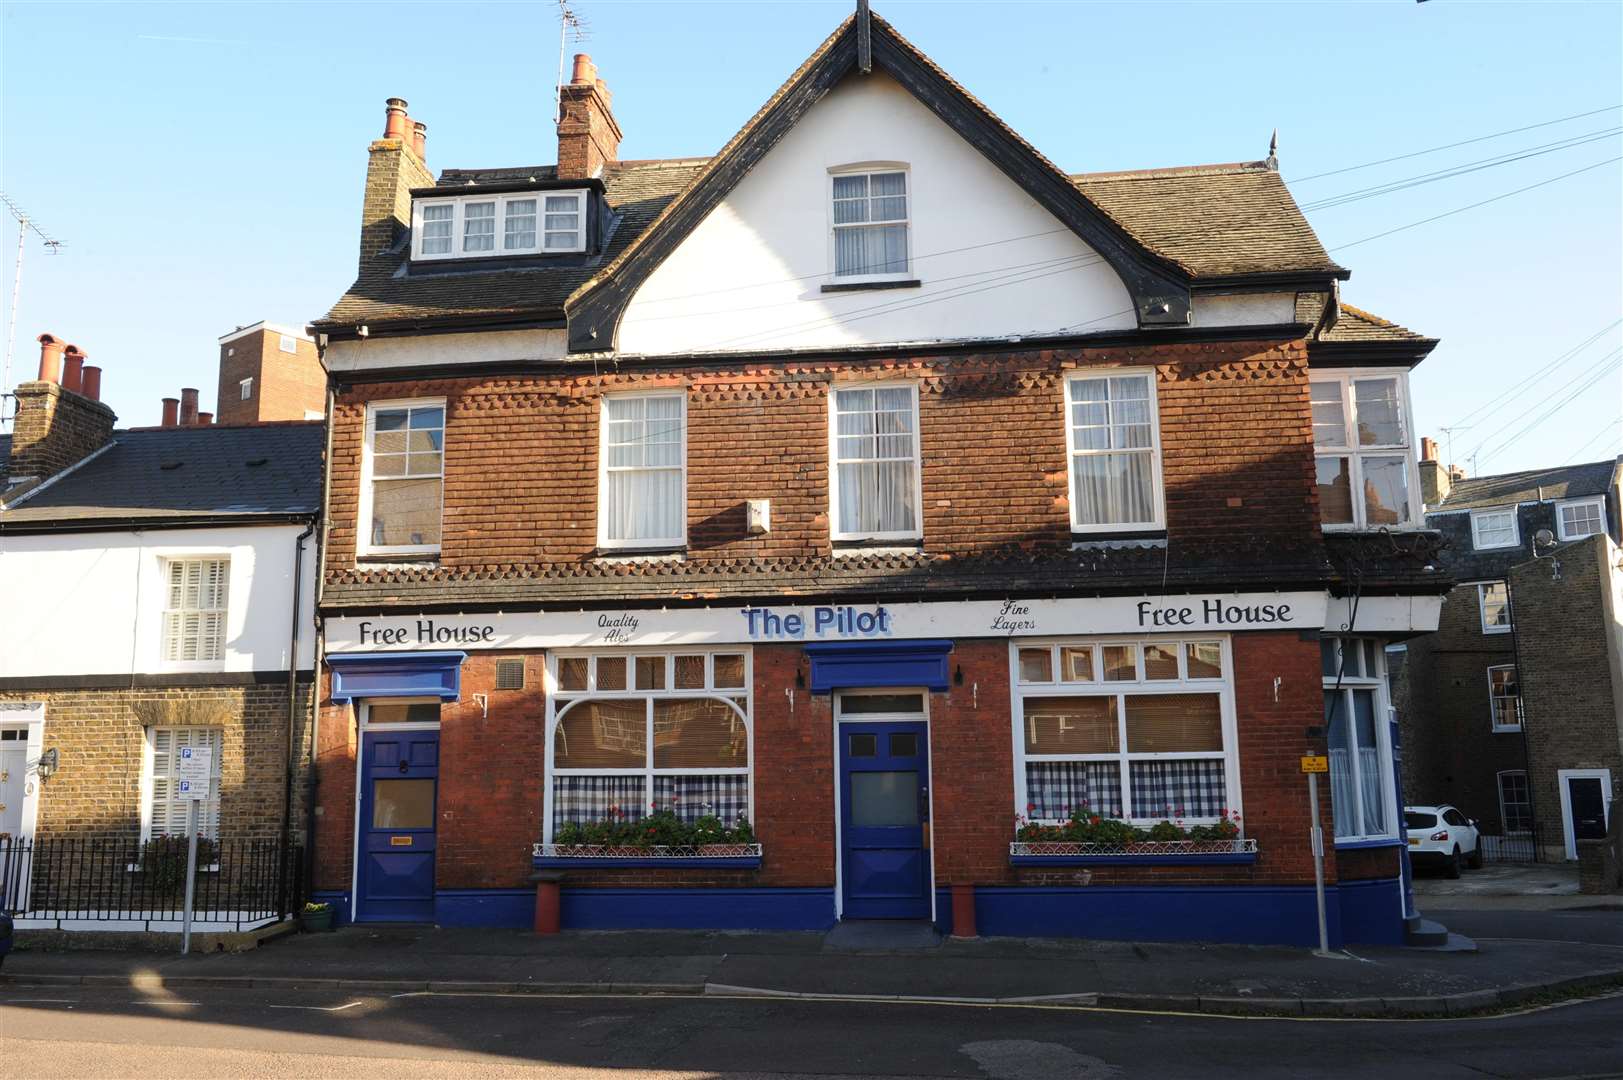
(670, 856)
(1134, 853)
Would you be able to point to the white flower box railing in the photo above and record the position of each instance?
(712, 855)
(1142, 852)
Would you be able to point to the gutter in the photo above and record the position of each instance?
(137, 524)
(292, 714)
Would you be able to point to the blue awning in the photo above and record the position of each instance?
(847, 665)
(384, 675)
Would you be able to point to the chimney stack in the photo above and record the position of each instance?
(171, 412)
(188, 407)
(92, 383)
(50, 359)
(394, 166)
(588, 135)
(1435, 481)
(73, 364)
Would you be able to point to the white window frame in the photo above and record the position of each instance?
(288, 343)
(1350, 449)
(210, 663)
(603, 539)
(835, 533)
(1157, 493)
(1561, 777)
(1373, 680)
(363, 520)
(245, 389)
(1499, 787)
(558, 701)
(1482, 588)
(1478, 519)
(1493, 713)
(868, 168)
(1597, 501)
(208, 817)
(1020, 690)
(459, 204)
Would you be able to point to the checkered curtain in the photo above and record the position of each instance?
(587, 799)
(1055, 788)
(692, 797)
(1177, 789)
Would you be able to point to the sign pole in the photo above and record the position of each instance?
(1313, 765)
(191, 878)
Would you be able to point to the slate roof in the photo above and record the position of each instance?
(5, 460)
(186, 474)
(1006, 572)
(1533, 485)
(1212, 221)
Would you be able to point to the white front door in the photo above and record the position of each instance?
(13, 780)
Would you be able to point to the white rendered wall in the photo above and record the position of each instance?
(92, 603)
(373, 353)
(750, 276)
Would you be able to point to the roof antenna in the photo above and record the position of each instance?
(1273, 152)
(25, 225)
(567, 21)
(864, 38)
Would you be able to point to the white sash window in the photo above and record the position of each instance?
(875, 477)
(1113, 436)
(194, 610)
(164, 812)
(642, 495)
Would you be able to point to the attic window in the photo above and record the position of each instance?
(483, 226)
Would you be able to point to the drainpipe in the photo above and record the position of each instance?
(310, 782)
(292, 715)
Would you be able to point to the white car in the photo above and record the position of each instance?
(1442, 836)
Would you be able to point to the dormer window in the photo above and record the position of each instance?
(484, 226)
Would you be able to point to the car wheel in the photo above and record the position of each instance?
(1475, 860)
(1451, 869)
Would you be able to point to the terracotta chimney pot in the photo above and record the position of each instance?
(585, 73)
(204, 419)
(419, 139)
(171, 412)
(396, 124)
(1428, 449)
(92, 382)
(188, 406)
(50, 359)
(73, 364)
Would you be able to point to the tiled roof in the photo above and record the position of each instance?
(383, 293)
(1358, 325)
(1563, 482)
(997, 573)
(187, 472)
(1212, 220)
(5, 460)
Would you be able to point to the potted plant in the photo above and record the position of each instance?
(316, 917)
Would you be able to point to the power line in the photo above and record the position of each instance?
(1593, 439)
(1591, 375)
(1452, 145)
(1540, 373)
(1473, 206)
(1461, 170)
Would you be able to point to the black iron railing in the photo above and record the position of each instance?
(1509, 847)
(240, 883)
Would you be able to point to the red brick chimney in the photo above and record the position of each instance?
(1435, 481)
(394, 167)
(56, 426)
(588, 136)
(188, 406)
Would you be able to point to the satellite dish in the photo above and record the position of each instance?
(1544, 538)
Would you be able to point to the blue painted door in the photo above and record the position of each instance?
(884, 820)
(399, 801)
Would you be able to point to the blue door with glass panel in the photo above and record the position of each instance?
(885, 820)
(399, 793)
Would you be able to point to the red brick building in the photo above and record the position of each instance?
(866, 515)
(269, 372)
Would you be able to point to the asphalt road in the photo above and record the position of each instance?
(56, 1032)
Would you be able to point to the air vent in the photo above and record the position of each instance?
(171, 465)
(256, 462)
(510, 674)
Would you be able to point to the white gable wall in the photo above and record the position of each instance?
(750, 276)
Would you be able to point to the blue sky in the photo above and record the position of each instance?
(204, 161)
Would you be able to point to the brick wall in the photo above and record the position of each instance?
(521, 453)
(286, 385)
(392, 171)
(1569, 638)
(99, 737)
(55, 428)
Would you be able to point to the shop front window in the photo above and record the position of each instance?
(1135, 730)
(635, 733)
(1355, 720)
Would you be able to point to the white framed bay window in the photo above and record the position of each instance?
(402, 478)
(485, 226)
(1363, 790)
(632, 731)
(1141, 730)
(1113, 444)
(642, 475)
(1367, 478)
(874, 475)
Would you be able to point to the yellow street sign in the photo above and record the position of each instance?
(1315, 764)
